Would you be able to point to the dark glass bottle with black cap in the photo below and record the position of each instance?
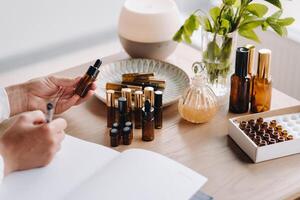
(240, 83)
(122, 107)
(86, 81)
(148, 122)
(158, 110)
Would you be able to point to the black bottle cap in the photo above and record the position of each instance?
(158, 98)
(122, 102)
(98, 63)
(128, 124)
(114, 132)
(241, 61)
(126, 130)
(115, 125)
(94, 70)
(147, 106)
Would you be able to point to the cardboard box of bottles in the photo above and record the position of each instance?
(268, 152)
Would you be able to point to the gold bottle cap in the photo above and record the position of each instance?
(138, 99)
(149, 94)
(110, 98)
(264, 59)
(126, 92)
(250, 58)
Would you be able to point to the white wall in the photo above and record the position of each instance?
(55, 34)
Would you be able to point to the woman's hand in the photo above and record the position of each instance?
(35, 94)
(30, 142)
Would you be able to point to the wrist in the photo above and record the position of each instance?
(17, 97)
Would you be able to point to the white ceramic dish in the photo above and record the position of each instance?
(176, 79)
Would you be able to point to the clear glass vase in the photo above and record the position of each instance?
(218, 56)
(199, 103)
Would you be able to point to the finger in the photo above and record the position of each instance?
(34, 117)
(88, 95)
(65, 104)
(64, 82)
(56, 126)
(60, 136)
(93, 86)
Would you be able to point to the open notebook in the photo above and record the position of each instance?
(83, 170)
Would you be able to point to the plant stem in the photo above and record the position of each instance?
(218, 22)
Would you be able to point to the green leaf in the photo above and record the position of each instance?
(187, 38)
(249, 34)
(215, 13)
(207, 25)
(224, 27)
(191, 24)
(187, 29)
(277, 14)
(229, 2)
(257, 9)
(249, 25)
(277, 28)
(275, 3)
(178, 35)
(286, 21)
(237, 4)
(226, 49)
(213, 50)
(264, 26)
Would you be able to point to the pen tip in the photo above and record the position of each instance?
(97, 63)
(49, 106)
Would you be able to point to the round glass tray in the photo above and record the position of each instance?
(176, 79)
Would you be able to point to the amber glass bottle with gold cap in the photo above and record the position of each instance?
(262, 83)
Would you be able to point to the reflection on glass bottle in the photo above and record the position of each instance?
(240, 83)
(262, 83)
(250, 65)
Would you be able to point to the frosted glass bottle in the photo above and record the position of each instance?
(198, 103)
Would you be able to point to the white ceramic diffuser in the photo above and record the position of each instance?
(146, 28)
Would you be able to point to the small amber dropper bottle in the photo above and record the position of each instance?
(148, 122)
(86, 81)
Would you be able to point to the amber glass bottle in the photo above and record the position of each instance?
(148, 122)
(240, 83)
(262, 83)
(86, 81)
(110, 106)
(138, 112)
(158, 110)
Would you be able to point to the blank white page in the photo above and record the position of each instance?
(77, 161)
(139, 174)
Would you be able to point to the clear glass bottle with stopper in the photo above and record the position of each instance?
(199, 103)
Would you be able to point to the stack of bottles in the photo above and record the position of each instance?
(264, 133)
(138, 110)
(248, 89)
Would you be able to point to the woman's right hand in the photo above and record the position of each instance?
(30, 142)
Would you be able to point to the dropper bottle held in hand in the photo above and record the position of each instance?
(87, 80)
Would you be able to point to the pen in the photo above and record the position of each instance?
(50, 111)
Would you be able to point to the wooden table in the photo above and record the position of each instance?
(205, 148)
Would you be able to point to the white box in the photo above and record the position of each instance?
(259, 154)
